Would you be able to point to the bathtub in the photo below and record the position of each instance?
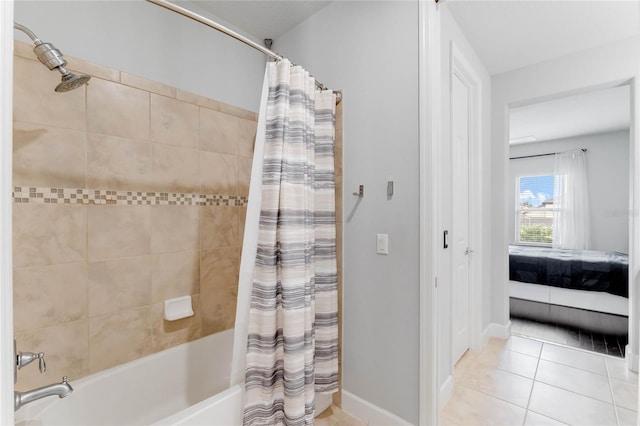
(184, 385)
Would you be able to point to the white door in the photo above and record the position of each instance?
(460, 255)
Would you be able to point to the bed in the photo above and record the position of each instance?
(584, 279)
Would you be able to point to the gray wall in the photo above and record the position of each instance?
(370, 50)
(607, 176)
(147, 40)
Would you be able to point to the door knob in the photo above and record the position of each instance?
(468, 251)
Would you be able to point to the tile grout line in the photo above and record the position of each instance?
(533, 383)
(613, 398)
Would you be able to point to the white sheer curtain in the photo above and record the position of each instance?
(571, 198)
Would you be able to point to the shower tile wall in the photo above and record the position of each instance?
(90, 276)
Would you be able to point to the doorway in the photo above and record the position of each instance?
(552, 282)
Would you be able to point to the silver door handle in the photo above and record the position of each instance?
(468, 251)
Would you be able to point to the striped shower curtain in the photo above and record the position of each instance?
(292, 348)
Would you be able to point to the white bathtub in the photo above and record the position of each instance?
(184, 385)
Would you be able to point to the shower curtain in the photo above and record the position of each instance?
(292, 322)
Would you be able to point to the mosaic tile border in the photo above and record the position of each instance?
(104, 196)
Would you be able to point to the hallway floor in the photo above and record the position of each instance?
(522, 381)
(334, 416)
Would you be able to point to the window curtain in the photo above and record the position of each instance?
(292, 344)
(571, 198)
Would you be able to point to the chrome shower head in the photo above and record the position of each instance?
(71, 81)
(53, 59)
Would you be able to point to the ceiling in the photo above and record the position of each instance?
(511, 34)
(262, 18)
(598, 111)
(508, 35)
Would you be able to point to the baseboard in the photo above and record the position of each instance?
(631, 358)
(368, 413)
(446, 390)
(496, 330)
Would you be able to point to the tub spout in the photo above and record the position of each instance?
(61, 389)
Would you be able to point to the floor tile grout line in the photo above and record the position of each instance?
(533, 384)
(613, 398)
(492, 396)
(575, 368)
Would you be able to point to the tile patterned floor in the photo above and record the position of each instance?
(578, 338)
(334, 416)
(523, 381)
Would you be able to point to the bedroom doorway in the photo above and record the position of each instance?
(563, 288)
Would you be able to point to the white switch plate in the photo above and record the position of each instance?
(382, 244)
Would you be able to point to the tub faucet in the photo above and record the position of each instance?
(60, 389)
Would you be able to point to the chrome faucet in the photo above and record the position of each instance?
(60, 389)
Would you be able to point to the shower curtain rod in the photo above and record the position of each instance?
(540, 155)
(216, 26)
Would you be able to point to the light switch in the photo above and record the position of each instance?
(383, 244)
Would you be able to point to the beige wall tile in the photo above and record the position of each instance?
(192, 98)
(47, 156)
(337, 163)
(246, 137)
(339, 248)
(118, 231)
(24, 50)
(174, 228)
(238, 112)
(118, 163)
(35, 101)
(167, 334)
(174, 122)
(219, 269)
(44, 296)
(218, 227)
(66, 351)
(117, 285)
(94, 70)
(218, 310)
(147, 85)
(119, 338)
(59, 237)
(175, 169)
(244, 175)
(218, 173)
(338, 201)
(117, 110)
(218, 132)
(175, 274)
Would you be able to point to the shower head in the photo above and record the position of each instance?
(53, 59)
(71, 81)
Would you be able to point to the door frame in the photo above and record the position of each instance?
(429, 123)
(462, 69)
(7, 356)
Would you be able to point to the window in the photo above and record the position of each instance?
(535, 209)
